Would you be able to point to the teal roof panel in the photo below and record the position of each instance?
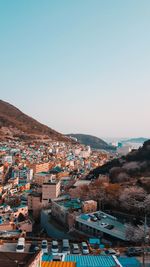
(129, 262)
(91, 261)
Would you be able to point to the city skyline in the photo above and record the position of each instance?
(78, 67)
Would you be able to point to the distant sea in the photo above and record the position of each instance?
(134, 145)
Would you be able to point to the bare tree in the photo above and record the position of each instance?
(133, 198)
(123, 177)
(147, 204)
(135, 234)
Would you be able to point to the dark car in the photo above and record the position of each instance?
(134, 252)
(109, 227)
(98, 216)
(34, 247)
(93, 217)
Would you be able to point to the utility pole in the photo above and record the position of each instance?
(144, 239)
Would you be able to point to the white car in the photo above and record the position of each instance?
(44, 247)
(85, 249)
(20, 245)
(104, 224)
(65, 246)
(54, 248)
(75, 249)
(93, 218)
(113, 252)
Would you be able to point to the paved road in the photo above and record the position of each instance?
(51, 229)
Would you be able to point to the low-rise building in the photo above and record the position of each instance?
(64, 211)
(10, 258)
(89, 206)
(25, 226)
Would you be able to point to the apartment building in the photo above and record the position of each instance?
(35, 203)
(40, 167)
(50, 190)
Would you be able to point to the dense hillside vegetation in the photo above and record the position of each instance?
(136, 165)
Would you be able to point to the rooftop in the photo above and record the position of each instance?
(58, 264)
(11, 259)
(35, 194)
(81, 182)
(71, 204)
(21, 206)
(129, 262)
(51, 182)
(119, 230)
(91, 261)
(11, 247)
(42, 173)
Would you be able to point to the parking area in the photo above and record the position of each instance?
(50, 248)
(78, 249)
(102, 222)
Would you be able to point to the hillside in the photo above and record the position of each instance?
(14, 124)
(92, 141)
(135, 165)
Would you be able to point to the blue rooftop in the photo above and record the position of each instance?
(47, 257)
(94, 241)
(20, 206)
(91, 261)
(71, 204)
(129, 262)
(84, 217)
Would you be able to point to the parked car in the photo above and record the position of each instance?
(65, 246)
(54, 248)
(75, 249)
(109, 227)
(103, 215)
(98, 216)
(104, 224)
(85, 249)
(44, 246)
(20, 245)
(57, 258)
(111, 251)
(34, 247)
(134, 251)
(93, 217)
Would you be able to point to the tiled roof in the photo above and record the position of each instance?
(129, 262)
(58, 264)
(91, 261)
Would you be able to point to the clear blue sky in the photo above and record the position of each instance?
(78, 65)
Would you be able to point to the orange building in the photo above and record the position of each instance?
(40, 167)
(89, 206)
(58, 264)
